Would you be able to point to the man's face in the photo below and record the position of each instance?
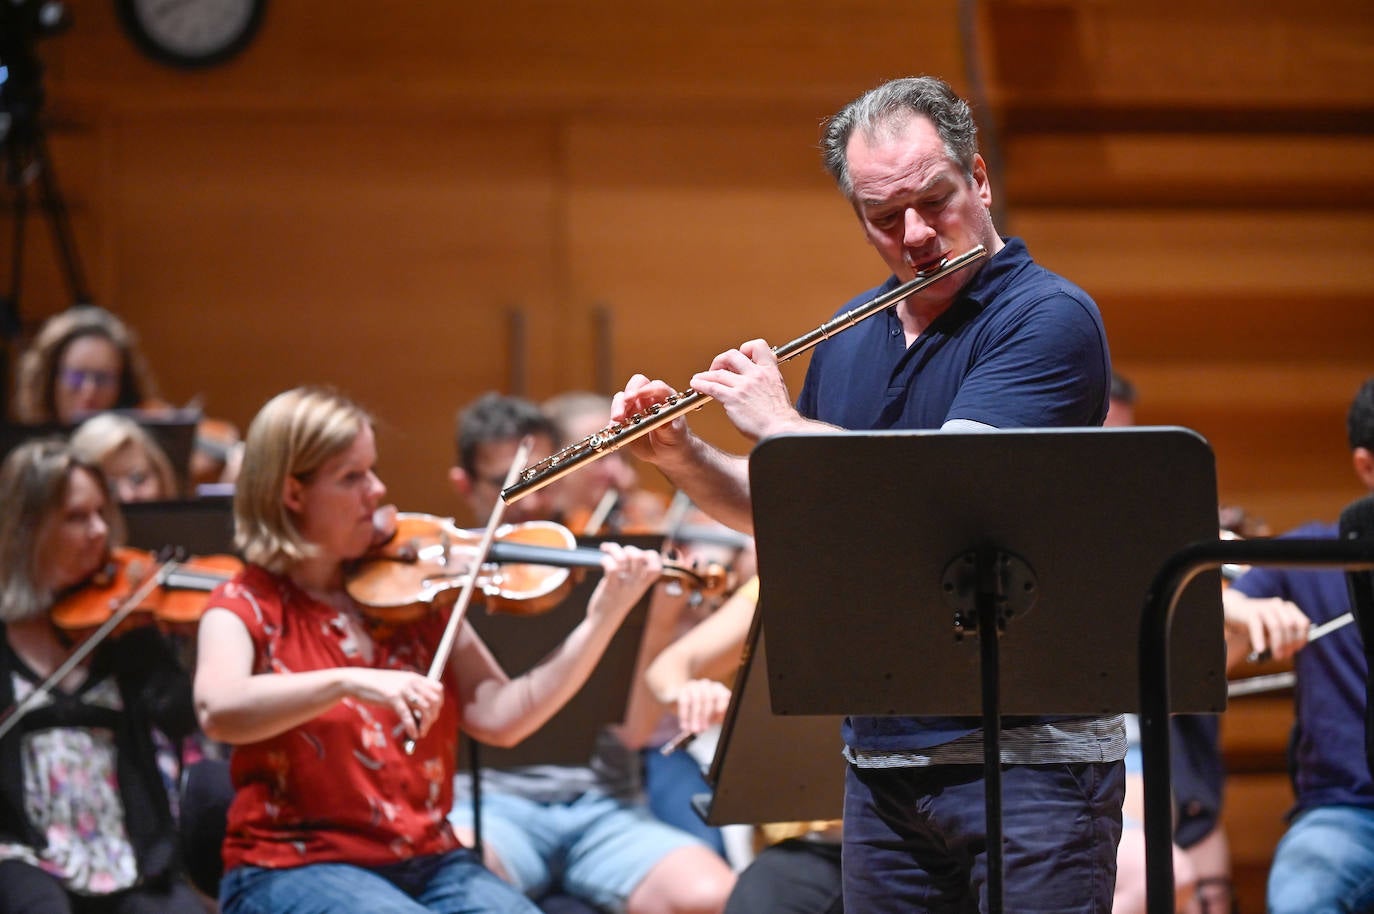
(918, 207)
(491, 463)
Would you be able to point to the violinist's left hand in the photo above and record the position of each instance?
(628, 573)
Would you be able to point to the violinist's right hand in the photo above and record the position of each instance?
(662, 443)
(414, 698)
(701, 703)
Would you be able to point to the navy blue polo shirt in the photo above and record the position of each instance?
(1020, 347)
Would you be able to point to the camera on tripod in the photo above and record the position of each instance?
(24, 155)
(22, 23)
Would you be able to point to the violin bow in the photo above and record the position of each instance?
(460, 608)
(78, 654)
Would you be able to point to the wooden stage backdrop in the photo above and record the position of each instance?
(422, 202)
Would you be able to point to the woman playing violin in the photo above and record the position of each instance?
(330, 812)
(85, 822)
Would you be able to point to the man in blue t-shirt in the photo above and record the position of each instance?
(1004, 344)
(1325, 861)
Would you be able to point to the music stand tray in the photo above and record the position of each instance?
(857, 532)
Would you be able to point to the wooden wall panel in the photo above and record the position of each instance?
(260, 253)
(1273, 172)
(363, 195)
(538, 56)
(743, 237)
(1093, 56)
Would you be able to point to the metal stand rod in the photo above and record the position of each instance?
(1160, 602)
(987, 599)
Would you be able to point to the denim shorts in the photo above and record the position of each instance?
(453, 883)
(595, 847)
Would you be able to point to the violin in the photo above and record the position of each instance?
(527, 570)
(132, 587)
(125, 585)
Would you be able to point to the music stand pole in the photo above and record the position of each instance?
(987, 587)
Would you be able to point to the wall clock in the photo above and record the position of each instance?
(191, 33)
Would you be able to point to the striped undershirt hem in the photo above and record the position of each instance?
(1083, 739)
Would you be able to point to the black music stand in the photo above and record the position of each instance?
(199, 526)
(769, 768)
(1156, 650)
(881, 585)
(173, 430)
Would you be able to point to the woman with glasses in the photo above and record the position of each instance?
(83, 360)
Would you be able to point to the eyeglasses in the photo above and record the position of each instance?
(77, 378)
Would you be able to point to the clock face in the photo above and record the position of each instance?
(191, 33)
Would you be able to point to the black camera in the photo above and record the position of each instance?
(22, 23)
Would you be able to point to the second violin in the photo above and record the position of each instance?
(125, 585)
(528, 570)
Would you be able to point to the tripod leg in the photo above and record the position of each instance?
(9, 312)
(59, 221)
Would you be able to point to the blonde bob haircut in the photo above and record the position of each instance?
(34, 482)
(295, 434)
(104, 435)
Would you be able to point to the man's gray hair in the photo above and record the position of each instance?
(890, 105)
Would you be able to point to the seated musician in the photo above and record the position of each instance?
(330, 811)
(1325, 860)
(81, 361)
(86, 360)
(135, 466)
(603, 496)
(85, 823)
(565, 830)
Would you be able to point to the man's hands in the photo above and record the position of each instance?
(747, 383)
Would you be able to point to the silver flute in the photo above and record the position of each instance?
(618, 434)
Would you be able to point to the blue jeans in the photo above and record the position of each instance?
(670, 781)
(455, 883)
(915, 838)
(1325, 863)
